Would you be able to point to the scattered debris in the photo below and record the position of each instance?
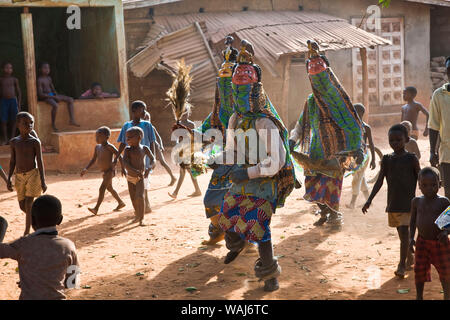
(191, 289)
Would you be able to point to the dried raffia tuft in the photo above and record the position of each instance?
(178, 94)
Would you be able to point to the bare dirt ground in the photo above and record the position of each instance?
(159, 261)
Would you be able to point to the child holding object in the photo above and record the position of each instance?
(432, 246)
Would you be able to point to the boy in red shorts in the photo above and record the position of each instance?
(432, 245)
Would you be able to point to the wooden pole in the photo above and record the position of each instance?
(285, 90)
(365, 83)
(211, 56)
(29, 61)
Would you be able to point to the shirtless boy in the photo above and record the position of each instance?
(134, 162)
(25, 155)
(410, 111)
(432, 245)
(10, 101)
(47, 92)
(103, 155)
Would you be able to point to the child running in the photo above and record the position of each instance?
(25, 154)
(186, 167)
(411, 145)
(159, 148)
(432, 246)
(10, 101)
(103, 155)
(47, 92)
(410, 111)
(359, 180)
(401, 169)
(134, 162)
(47, 262)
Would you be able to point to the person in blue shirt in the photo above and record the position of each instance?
(138, 108)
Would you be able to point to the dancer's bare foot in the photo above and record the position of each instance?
(93, 210)
(73, 123)
(120, 206)
(195, 194)
(141, 223)
(148, 210)
(213, 241)
(400, 272)
(173, 195)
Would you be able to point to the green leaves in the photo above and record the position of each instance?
(191, 289)
(384, 3)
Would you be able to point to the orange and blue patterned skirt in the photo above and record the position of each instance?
(248, 216)
(323, 190)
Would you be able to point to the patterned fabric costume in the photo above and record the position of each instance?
(218, 119)
(248, 207)
(330, 129)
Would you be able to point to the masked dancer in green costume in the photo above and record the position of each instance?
(329, 133)
(218, 119)
(264, 179)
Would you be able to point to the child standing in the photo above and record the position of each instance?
(186, 167)
(401, 169)
(411, 145)
(47, 92)
(136, 169)
(25, 154)
(103, 154)
(10, 101)
(359, 180)
(410, 111)
(159, 148)
(138, 113)
(432, 245)
(47, 262)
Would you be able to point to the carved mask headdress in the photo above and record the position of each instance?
(340, 129)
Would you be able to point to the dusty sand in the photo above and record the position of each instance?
(159, 261)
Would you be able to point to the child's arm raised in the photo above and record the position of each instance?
(371, 146)
(377, 185)
(412, 224)
(94, 158)
(40, 163)
(12, 165)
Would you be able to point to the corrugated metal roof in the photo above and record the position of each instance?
(134, 4)
(444, 3)
(185, 43)
(277, 33)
